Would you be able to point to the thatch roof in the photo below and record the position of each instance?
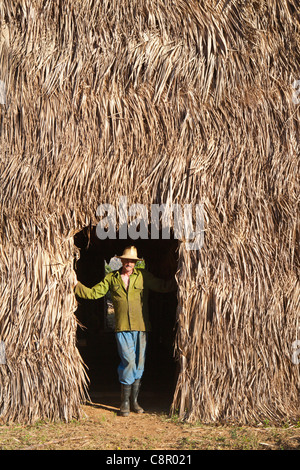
(107, 98)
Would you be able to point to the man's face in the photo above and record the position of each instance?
(128, 264)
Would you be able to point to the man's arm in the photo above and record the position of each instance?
(159, 285)
(96, 292)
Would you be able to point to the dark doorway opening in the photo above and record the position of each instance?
(96, 338)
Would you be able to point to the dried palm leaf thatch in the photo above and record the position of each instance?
(106, 99)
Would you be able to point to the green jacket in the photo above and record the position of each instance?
(131, 306)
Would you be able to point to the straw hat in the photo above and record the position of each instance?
(130, 253)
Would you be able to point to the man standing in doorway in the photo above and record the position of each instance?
(129, 288)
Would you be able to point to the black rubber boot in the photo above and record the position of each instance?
(135, 388)
(125, 400)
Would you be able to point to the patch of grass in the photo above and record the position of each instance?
(105, 430)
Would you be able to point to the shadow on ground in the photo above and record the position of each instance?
(151, 402)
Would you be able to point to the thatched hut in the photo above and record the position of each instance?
(193, 101)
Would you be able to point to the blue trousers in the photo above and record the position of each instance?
(132, 351)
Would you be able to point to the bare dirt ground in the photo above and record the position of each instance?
(101, 428)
